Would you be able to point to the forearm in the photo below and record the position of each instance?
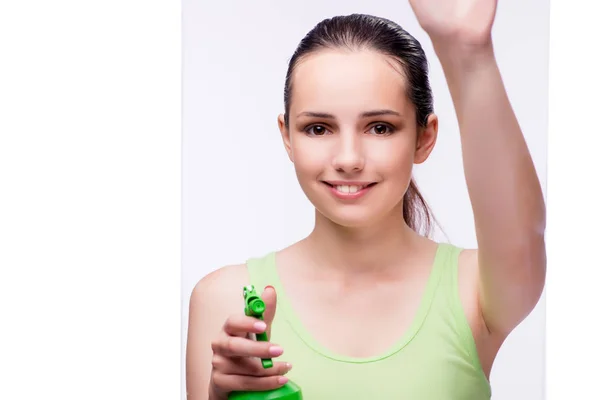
(501, 179)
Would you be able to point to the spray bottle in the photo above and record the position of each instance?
(255, 307)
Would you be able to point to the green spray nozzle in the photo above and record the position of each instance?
(255, 307)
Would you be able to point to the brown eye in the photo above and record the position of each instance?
(317, 130)
(381, 130)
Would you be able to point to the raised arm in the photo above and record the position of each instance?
(503, 186)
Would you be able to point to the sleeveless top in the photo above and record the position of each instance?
(435, 358)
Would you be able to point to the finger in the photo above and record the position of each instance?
(235, 346)
(229, 383)
(241, 325)
(269, 296)
(248, 366)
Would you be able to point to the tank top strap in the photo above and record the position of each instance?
(449, 286)
(262, 271)
(449, 304)
(438, 278)
(448, 297)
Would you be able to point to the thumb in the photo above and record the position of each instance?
(269, 296)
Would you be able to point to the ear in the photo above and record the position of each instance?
(426, 139)
(285, 135)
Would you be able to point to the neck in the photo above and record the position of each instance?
(374, 249)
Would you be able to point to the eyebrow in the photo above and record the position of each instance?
(366, 114)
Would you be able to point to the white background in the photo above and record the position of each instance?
(90, 203)
(240, 194)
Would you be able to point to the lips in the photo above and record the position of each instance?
(349, 190)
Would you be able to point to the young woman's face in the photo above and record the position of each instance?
(353, 135)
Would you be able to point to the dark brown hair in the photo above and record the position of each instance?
(360, 31)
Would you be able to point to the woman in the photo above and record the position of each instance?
(367, 306)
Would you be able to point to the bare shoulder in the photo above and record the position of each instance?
(214, 298)
(220, 285)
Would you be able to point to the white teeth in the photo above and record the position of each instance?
(348, 189)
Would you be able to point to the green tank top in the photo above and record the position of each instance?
(435, 359)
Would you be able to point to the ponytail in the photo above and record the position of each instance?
(416, 212)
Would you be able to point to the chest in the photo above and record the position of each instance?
(409, 373)
(345, 319)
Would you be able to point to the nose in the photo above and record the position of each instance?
(349, 155)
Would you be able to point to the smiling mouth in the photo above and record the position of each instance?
(349, 189)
